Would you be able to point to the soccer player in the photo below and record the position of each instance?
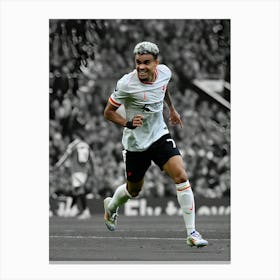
(81, 165)
(146, 137)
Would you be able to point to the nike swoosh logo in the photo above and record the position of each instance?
(191, 208)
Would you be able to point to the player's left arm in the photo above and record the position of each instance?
(69, 150)
(174, 116)
(61, 160)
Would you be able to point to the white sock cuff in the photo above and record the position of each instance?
(125, 190)
(183, 186)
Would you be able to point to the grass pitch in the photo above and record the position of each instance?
(137, 239)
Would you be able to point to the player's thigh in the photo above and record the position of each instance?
(174, 167)
(163, 150)
(136, 165)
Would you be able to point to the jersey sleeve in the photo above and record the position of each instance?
(120, 94)
(165, 70)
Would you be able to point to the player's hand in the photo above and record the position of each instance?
(175, 118)
(137, 120)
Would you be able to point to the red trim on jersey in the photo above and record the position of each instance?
(114, 103)
(191, 207)
(183, 188)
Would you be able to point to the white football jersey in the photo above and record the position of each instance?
(79, 152)
(145, 99)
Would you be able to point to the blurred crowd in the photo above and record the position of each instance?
(87, 57)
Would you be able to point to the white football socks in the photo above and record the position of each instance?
(120, 197)
(186, 201)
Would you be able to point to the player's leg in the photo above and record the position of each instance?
(167, 156)
(68, 204)
(85, 213)
(174, 167)
(73, 200)
(136, 167)
(74, 209)
(78, 182)
(123, 193)
(120, 197)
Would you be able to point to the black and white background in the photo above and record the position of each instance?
(198, 53)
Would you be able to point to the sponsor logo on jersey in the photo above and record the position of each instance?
(155, 107)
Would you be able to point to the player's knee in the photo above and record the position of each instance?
(134, 191)
(134, 188)
(180, 177)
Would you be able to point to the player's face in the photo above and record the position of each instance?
(146, 66)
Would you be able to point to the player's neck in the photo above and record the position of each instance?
(153, 77)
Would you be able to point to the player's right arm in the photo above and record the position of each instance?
(111, 115)
(61, 160)
(117, 98)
